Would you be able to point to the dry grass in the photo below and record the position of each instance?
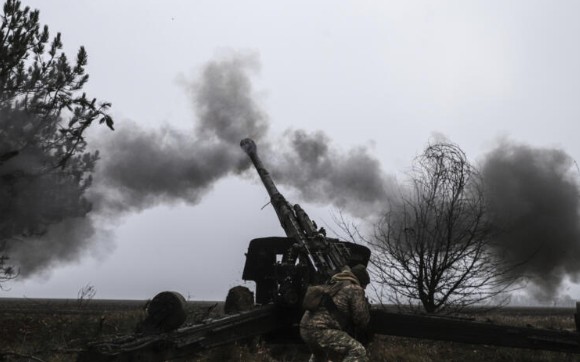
(54, 336)
(58, 336)
(387, 348)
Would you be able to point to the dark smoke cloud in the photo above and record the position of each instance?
(42, 212)
(534, 197)
(349, 180)
(141, 168)
(146, 167)
(63, 242)
(224, 102)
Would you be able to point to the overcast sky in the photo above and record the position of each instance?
(385, 75)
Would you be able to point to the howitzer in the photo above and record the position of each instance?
(308, 256)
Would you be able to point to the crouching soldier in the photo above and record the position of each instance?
(343, 312)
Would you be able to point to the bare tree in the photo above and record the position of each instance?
(433, 248)
(85, 295)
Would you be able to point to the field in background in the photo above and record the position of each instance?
(55, 330)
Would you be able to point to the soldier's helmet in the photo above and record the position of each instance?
(361, 273)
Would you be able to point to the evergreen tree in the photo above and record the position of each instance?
(44, 166)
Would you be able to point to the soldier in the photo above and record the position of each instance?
(325, 330)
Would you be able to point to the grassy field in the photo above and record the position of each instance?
(56, 330)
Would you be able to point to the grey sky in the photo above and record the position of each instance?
(385, 75)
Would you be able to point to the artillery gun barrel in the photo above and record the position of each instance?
(283, 209)
(249, 146)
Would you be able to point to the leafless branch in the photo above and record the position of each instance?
(433, 248)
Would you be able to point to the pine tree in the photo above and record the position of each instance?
(44, 166)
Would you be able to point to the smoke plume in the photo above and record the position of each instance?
(43, 216)
(349, 180)
(143, 167)
(63, 242)
(534, 199)
(140, 168)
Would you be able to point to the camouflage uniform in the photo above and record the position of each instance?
(324, 334)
